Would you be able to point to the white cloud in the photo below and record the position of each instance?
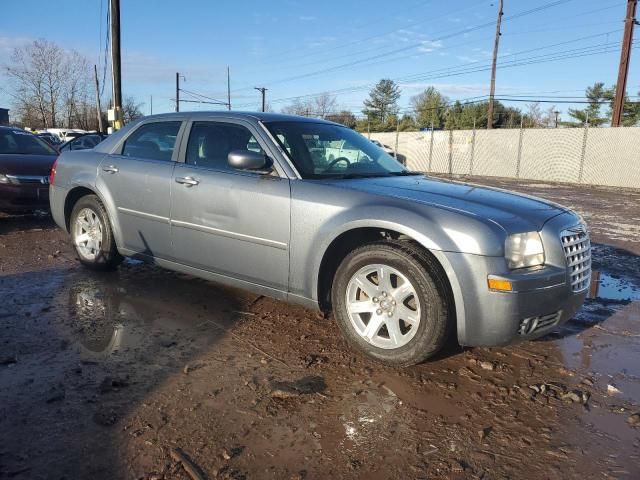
(429, 46)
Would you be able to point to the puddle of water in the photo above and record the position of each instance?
(609, 350)
(129, 312)
(606, 287)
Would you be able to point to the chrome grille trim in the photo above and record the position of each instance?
(577, 251)
(24, 179)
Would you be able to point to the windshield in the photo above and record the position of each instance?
(19, 142)
(322, 150)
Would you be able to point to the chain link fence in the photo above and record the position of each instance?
(592, 156)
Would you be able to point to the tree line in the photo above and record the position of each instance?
(431, 109)
(52, 87)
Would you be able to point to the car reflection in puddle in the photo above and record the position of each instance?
(141, 309)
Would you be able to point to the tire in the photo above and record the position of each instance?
(416, 326)
(92, 236)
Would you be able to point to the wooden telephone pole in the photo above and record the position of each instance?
(625, 57)
(177, 91)
(263, 91)
(492, 92)
(115, 63)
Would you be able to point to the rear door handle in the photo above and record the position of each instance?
(110, 169)
(187, 181)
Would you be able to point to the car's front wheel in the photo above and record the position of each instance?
(92, 235)
(390, 300)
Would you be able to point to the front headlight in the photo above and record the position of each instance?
(3, 178)
(524, 250)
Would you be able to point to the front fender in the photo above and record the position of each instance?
(430, 237)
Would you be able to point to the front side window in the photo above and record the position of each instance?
(211, 142)
(19, 142)
(154, 141)
(322, 150)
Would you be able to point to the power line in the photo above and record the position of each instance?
(106, 50)
(371, 37)
(416, 45)
(204, 97)
(473, 67)
(332, 57)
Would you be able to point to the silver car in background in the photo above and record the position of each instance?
(256, 200)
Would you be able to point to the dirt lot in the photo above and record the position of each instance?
(136, 373)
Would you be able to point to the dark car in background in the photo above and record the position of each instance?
(25, 164)
(50, 138)
(83, 142)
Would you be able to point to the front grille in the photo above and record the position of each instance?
(28, 179)
(577, 250)
(534, 324)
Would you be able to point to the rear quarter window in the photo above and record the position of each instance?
(154, 141)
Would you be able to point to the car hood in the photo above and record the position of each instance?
(514, 212)
(40, 165)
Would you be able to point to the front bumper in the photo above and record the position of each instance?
(23, 197)
(542, 297)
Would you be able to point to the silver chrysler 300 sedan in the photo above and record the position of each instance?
(311, 212)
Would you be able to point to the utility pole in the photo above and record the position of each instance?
(228, 89)
(115, 63)
(177, 91)
(492, 92)
(98, 107)
(263, 91)
(625, 57)
(151, 104)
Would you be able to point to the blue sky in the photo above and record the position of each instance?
(285, 45)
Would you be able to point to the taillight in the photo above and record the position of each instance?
(52, 174)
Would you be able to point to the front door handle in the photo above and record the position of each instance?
(110, 169)
(187, 181)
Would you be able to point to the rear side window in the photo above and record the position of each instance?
(154, 141)
(210, 143)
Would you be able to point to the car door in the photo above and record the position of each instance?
(137, 177)
(227, 221)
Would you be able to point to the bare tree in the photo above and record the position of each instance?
(324, 104)
(549, 117)
(534, 118)
(319, 106)
(49, 84)
(298, 107)
(131, 110)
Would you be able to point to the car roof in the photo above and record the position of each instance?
(14, 129)
(259, 116)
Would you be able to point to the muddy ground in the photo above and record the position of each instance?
(127, 374)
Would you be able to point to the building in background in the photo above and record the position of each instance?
(4, 116)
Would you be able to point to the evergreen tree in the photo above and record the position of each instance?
(431, 108)
(596, 96)
(382, 101)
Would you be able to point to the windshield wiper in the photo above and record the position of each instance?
(405, 173)
(347, 176)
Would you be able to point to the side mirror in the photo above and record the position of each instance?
(248, 160)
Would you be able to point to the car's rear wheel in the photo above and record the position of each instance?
(92, 235)
(391, 301)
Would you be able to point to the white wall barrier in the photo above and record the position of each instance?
(592, 156)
